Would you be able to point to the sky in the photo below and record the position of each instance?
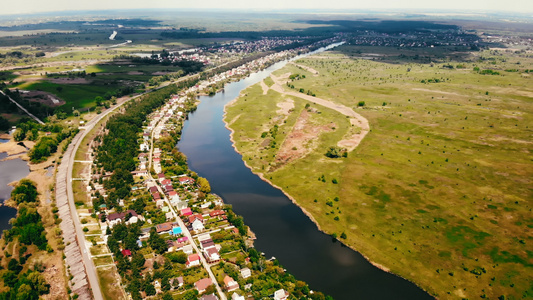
(38, 6)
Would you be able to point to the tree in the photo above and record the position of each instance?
(157, 243)
(19, 135)
(4, 123)
(204, 185)
(149, 289)
(27, 190)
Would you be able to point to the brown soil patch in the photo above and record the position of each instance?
(77, 80)
(435, 91)
(158, 73)
(299, 141)
(285, 107)
(135, 73)
(351, 141)
(42, 97)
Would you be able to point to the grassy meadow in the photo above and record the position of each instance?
(439, 191)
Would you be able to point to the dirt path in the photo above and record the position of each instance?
(356, 119)
(309, 69)
(264, 87)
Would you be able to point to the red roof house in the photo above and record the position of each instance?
(186, 211)
(217, 212)
(193, 260)
(202, 284)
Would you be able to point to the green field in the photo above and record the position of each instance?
(76, 95)
(439, 191)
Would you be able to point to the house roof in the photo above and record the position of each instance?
(166, 181)
(211, 251)
(217, 212)
(122, 215)
(230, 283)
(246, 272)
(161, 175)
(163, 227)
(126, 252)
(209, 297)
(172, 193)
(193, 257)
(194, 217)
(185, 179)
(207, 244)
(202, 284)
(186, 211)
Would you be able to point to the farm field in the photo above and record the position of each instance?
(439, 191)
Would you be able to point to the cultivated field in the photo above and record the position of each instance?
(439, 191)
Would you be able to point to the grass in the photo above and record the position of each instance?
(76, 95)
(109, 283)
(440, 185)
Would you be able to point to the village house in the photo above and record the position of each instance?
(146, 136)
(187, 249)
(197, 222)
(164, 228)
(212, 255)
(209, 297)
(176, 230)
(186, 212)
(202, 284)
(216, 213)
(281, 295)
(193, 260)
(160, 177)
(178, 281)
(144, 147)
(230, 284)
(186, 180)
(246, 272)
(115, 218)
(160, 203)
(236, 296)
(169, 216)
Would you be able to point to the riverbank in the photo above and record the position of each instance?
(293, 200)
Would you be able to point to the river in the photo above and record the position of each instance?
(10, 170)
(282, 229)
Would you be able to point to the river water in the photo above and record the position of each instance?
(10, 170)
(282, 229)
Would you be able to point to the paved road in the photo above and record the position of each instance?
(21, 107)
(180, 222)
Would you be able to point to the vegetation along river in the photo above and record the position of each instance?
(282, 229)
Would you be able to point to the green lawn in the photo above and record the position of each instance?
(439, 191)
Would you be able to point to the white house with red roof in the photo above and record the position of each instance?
(230, 284)
(197, 222)
(193, 260)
